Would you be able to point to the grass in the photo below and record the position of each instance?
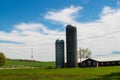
(100, 73)
(27, 63)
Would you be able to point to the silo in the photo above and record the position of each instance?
(71, 46)
(59, 53)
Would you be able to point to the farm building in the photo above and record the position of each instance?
(95, 62)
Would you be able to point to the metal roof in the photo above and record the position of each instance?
(103, 58)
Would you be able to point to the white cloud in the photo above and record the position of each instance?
(66, 16)
(109, 22)
(39, 34)
(26, 32)
(32, 35)
(108, 10)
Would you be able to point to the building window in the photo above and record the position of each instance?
(89, 62)
(94, 63)
(84, 64)
(108, 63)
(113, 62)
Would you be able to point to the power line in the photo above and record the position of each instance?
(24, 45)
(99, 35)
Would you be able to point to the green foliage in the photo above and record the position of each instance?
(85, 53)
(2, 59)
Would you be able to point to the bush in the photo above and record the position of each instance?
(2, 59)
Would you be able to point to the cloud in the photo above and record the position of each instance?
(42, 39)
(29, 26)
(25, 32)
(108, 22)
(66, 16)
(108, 10)
(31, 35)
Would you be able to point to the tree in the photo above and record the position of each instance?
(84, 53)
(2, 59)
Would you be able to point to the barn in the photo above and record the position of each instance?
(95, 62)
(89, 63)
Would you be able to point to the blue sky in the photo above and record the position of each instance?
(16, 11)
(41, 22)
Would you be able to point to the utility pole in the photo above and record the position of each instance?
(31, 53)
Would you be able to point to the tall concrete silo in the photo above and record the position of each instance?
(59, 54)
(71, 46)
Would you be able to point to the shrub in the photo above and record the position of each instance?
(2, 59)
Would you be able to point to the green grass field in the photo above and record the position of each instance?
(103, 73)
(24, 63)
(38, 73)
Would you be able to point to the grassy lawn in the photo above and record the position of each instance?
(40, 72)
(23, 63)
(102, 73)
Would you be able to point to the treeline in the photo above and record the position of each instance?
(24, 60)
